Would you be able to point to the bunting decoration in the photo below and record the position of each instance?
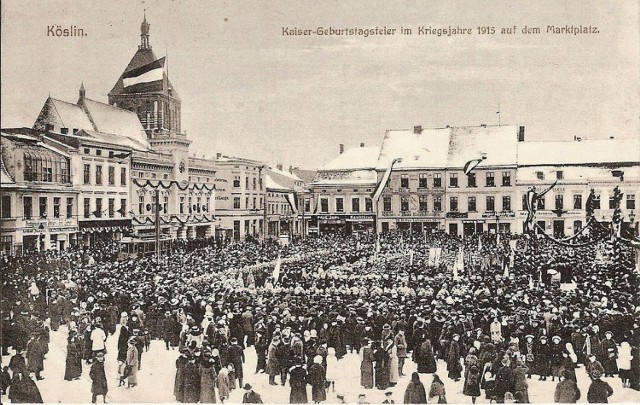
(383, 182)
(472, 164)
(160, 183)
(532, 205)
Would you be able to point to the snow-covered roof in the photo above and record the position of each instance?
(593, 151)
(117, 140)
(364, 157)
(449, 147)
(347, 177)
(285, 173)
(113, 120)
(574, 174)
(272, 185)
(67, 115)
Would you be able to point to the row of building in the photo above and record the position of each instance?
(89, 171)
(427, 188)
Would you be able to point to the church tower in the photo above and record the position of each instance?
(144, 88)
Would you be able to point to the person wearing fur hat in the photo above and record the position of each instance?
(453, 359)
(599, 391)
(567, 391)
(505, 380)
(298, 383)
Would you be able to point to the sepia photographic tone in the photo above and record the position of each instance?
(345, 202)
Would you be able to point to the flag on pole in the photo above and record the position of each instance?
(505, 265)
(411, 257)
(276, 270)
(458, 265)
(149, 73)
(470, 165)
(530, 282)
(383, 182)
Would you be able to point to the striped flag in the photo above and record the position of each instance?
(470, 165)
(149, 73)
(383, 182)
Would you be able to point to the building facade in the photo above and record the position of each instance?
(240, 198)
(341, 193)
(38, 203)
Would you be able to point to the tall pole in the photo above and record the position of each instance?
(157, 223)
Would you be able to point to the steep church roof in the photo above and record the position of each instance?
(143, 56)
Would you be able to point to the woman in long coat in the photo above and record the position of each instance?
(542, 360)
(366, 366)
(178, 385)
(35, 356)
(298, 383)
(609, 355)
(415, 392)
(381, 358)
(73, 366)
(392, 353)
(453, 359)
(191, 381)
(424, 357)
(98, 377)
(317, 379)
(224, 385)
(207, 382)
(132, 362)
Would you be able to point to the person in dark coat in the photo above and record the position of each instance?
(208, 377)
(35, 356)
(317, 379)
(453, 359)
(471, 386)
(542, 360)
(23, 390)
(505, 381)
(98, 377)
(366, 365)
(599, 391)
(5, 380)
(609, 355)
(273, 368)
(250, 396)
(382, 363)
(567, 391)
(284, 355)
(169, 330)
(423, 355)
(235, 355)
(415, 392)
(191, 381)
(73, 366)
(178, 386)
(123, 338)
(298, 383)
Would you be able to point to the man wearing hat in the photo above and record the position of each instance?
(250, 396)
(235, 355)
(170, 328)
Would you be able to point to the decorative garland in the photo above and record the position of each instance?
(190, 218)
(171, 183)
(561, 243)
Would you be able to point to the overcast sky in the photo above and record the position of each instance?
(249, 91)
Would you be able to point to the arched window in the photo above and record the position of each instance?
(28, 167)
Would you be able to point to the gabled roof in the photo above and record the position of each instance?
(594, 151)
(113, 120)
(63, 114)
(358, 158)
(285, 173)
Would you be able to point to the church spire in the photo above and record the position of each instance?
(81, 93)
(144, 33)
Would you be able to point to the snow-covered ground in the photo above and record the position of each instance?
(156, 380)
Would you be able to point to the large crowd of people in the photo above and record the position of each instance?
(518, 308)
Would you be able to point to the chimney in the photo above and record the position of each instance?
(417, 129)
(362, 144)
(218, 155)
(483, 125)
(290, 169)
(448, 126)
(612, 137)
(81, 93)
(521, 134)
(577, 138)
(341, 148)
(279, 166)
